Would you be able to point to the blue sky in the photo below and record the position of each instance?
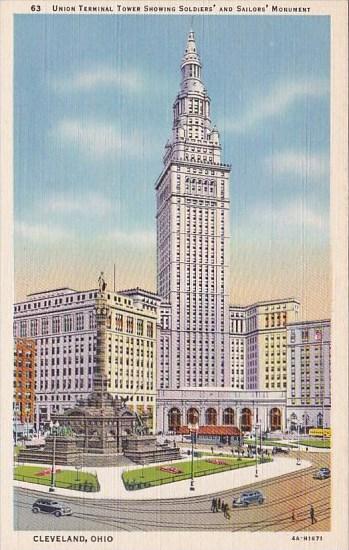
(93, 111)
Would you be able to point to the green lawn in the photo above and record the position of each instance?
(67, 479)
(153, 475)
(215, 454)
(268, 442)
(320, 443)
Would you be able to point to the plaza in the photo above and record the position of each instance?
(112, 486)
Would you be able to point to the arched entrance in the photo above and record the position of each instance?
(319, 420)
(275, 419)
(174, 419)
(211, 417)
(246, 420)
(228, 417)
(192, 416)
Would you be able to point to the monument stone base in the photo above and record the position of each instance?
(143, 449)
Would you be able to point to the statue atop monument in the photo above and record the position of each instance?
(101, 282)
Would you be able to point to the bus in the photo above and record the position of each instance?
(320, 432)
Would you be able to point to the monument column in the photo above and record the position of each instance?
(100, 378)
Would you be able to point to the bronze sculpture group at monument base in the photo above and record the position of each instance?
(100, 431)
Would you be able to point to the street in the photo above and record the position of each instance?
(292, 493)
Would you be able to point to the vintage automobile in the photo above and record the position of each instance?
(248, 497)
(323, 473)
(280, 450)
(49, 506)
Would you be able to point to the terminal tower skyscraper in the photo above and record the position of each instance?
(193, 242)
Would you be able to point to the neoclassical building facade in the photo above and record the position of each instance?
(221, 406)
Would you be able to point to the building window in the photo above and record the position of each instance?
(80, 324)
(119, 322)
(33, 327)
(67, 323)
(23, 329)
(44, 326)
(92, 320)
(211, 417)
(150, 330)
(56, 325)
(139, 327)
(228, 417)
(129, 325)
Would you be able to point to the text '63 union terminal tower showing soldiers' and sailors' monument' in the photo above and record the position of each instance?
(198, 383)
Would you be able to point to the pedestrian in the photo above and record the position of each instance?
(212, 450)
(312, 515)
(226, 511)
(293, 515)
(306, 449)
(218, 504)
(222, 505)
(213, 504)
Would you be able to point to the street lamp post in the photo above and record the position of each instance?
(16, 411)
(53, 428)
(255, 433)
(193, 429)
(299, 446)
(77, 468)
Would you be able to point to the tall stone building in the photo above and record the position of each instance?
(196, 376)
(61, 324)
(192, 242)
(309, 373)
(24, 383)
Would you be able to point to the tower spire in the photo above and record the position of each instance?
(190, 54)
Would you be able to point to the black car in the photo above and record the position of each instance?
(323, 473)
(282, 450)
(49, 506)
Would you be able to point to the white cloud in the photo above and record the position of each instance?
(292, 215)
(40, 232)
(100, 77)
(97, 139)
(139, 239)
(297, 214)
(86, 204)
(282, 97)
(300, 164)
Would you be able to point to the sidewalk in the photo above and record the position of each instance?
(112, 486)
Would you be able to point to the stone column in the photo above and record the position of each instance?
(100, 378)
(202, 420)
(164, 419)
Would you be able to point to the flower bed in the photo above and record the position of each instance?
(47, 472)
(217, 461)
(171, 469)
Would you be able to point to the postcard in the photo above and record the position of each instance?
(174, 228)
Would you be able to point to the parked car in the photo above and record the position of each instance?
(323, 473)
(282, 450)
(249, 497)
(49, 506)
